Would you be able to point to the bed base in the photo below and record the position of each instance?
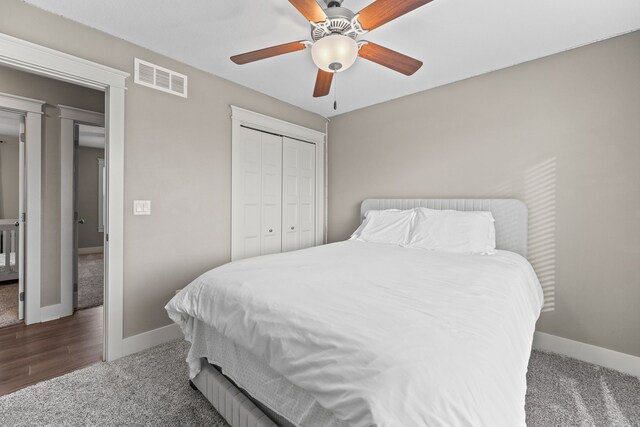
(230, 402)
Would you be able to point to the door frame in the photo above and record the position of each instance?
(31, 109)
(69, 118)
(36, 59)
(242, 117)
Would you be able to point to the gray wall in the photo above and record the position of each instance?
(562, 133)
(9, 175)
(88, 235)
(54, 93)
(177, 154)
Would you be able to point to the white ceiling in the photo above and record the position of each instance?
(455, 39)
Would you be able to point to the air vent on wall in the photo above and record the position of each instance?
(151, 75)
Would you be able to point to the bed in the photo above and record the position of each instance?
(364, 334)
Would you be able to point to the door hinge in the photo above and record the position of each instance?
(106, 236)
(21, 296)
(22, 137)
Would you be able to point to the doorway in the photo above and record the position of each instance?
(11, 229)
(89, 203)
(49, 342)
(30, 57)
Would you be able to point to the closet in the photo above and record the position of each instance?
(274, 193)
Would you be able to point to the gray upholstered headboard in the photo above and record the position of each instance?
(510, 215)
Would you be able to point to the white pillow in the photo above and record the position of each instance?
(390, 226)
(453, 231)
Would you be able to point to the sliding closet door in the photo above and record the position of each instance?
(257, 179)
(298, 194)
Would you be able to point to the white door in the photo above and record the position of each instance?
(257, 177)
(298, 194)
(21, 221)
(271, 194)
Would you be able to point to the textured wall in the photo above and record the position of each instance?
(177, 154)
(562, 133)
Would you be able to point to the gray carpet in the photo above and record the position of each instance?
(144, 389)
(151, 389)
(8, 304)
(90, 280)
(567, 392)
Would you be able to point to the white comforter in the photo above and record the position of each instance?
(379, 334)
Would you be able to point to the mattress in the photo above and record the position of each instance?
(262, 383)
(377, 334)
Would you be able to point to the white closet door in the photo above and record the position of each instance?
(298, 194)
(271, 194)
(248, 172)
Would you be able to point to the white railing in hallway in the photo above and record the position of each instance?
(9, 249)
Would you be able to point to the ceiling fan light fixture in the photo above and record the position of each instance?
(334, 53)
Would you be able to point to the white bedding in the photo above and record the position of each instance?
(381, 334)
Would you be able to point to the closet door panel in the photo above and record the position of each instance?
(298, 216)
(290, 239)
(250, 169)
(271, 194)
(307, 195)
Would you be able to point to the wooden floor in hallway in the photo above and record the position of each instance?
(38, 352)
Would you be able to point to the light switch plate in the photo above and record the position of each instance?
(142, 207)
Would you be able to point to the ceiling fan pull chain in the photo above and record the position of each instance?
(335, 91)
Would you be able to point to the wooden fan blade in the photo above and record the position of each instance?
(323, 83)
(390, 58)
(268, 52)
(310, 9)
(382, 11)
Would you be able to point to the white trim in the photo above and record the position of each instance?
(101, 194)
(150, 339)
(589, 353)
(33, 58)
(20, 103)
(51, 312)
(32, 252)
(270, 124)
(44, 61)
(91, 250)
(93, 118)
(241, 116)
(69, 117)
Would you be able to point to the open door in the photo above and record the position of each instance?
(76, 220)
(21, 220)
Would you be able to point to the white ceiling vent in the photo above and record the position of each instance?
(151, 75)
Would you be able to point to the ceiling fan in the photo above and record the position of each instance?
(335, 46)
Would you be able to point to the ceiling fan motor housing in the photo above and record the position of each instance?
(339, 21)
(334, 3)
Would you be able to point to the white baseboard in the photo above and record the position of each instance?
(150, 339)
(93, 250)
(50, 312)
(589, 353)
